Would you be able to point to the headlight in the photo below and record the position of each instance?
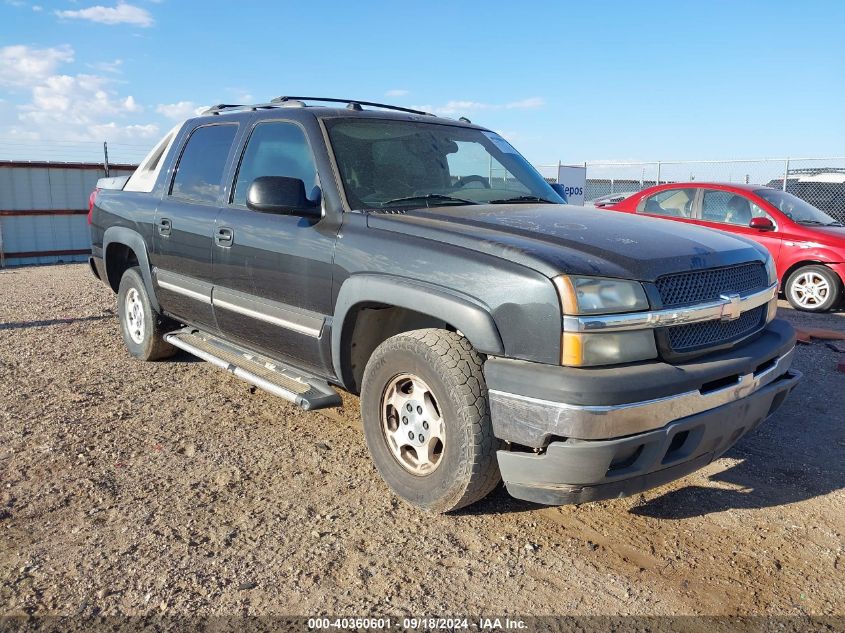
(607, 348)
(599, 295)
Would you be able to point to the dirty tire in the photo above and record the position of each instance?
(449, 365)
(151, 345)
(813, 273)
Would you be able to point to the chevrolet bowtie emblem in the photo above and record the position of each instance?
(731, 308)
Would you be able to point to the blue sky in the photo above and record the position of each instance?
(562, 80)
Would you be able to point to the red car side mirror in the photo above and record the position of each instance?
(762, 224)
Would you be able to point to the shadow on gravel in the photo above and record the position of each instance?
(758, 487)
(181, 356)
(776, 469)
(20, 325)
(498, 502)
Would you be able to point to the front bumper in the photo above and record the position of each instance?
(587, 452)
(575, 471)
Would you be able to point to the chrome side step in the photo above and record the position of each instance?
(309, 392)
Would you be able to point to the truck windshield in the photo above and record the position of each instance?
(795, 208)
(390, 164)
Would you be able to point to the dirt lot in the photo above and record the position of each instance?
(138, 488)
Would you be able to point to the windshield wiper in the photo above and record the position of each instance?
(518, 199)
(429, 196)
(814, 222)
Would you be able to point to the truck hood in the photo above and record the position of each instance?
(555, 239)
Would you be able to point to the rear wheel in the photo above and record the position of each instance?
(142, 327)
(426, 420)
(813, 288)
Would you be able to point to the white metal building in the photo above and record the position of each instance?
(43, 210)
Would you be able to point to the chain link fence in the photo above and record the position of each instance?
(819, 181)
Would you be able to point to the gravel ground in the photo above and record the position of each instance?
(149, 488)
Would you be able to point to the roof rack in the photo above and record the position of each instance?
(281, 102)
(225, 107)
(351, 104)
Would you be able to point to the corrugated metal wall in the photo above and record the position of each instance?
(43, 209)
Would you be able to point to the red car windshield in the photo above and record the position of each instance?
(795, 208)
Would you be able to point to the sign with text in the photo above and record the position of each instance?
(574, 180)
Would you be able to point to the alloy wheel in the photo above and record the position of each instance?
(412, 424)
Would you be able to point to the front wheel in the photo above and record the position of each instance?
(813, 289)
(427, 422)
(142, 327)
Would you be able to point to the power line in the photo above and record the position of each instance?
(21, 141)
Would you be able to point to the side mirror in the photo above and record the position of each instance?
(560, 190)
(281, 195)
(762, 223)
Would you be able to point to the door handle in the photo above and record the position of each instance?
(224, 237)
(164, 226)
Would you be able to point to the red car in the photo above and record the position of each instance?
(807, 245)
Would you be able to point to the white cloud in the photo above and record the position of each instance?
(64, 106)
(526, 104)
(464, 107)
(125, 133)
(130, 105)
(108, 67)
(75, 100)
(397, 92)
(122, 13)
(23, 66)
(181, 110)
(21, 4)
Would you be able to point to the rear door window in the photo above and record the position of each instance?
(672, 203)
(199, 175)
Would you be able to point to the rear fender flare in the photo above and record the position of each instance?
(134, 240)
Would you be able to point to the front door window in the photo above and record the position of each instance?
(727, 207)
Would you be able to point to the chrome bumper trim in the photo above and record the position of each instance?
(711, 311)
(537, 418)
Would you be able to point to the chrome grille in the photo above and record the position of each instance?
(697, 336)
(701, 286)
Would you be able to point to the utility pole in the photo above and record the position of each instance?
(106, 157)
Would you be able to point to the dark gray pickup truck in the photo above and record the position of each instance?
(492, 332)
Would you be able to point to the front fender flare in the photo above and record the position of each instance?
(464, 313)
(134, 240)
